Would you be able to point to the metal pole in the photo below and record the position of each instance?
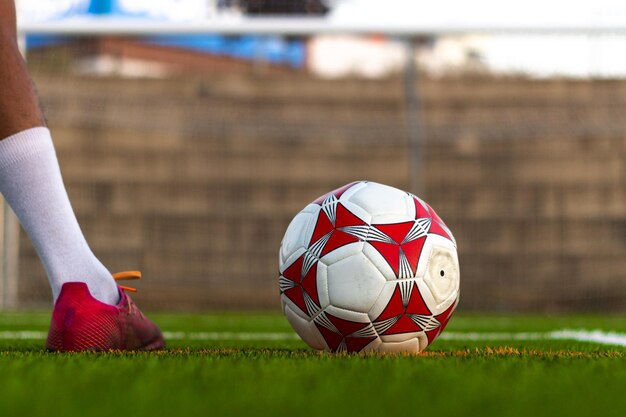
(9, 241)
(414, 133)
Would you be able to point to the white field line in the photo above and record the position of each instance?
(229, 336)
(22, 335)
(594, 336)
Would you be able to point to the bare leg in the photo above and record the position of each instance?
(19, 106)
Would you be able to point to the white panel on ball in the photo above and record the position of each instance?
(350, 315)
(422, 340)
(391, 218)
(378, 199)
(354, 283)
(442, 273)
(298, 234)
(379, 262)
(383, 299)
(411, 345)
(400, 337)
(350, 191)
(427, 296)
(431, 241)
(441, 299)
(322, 284)
(305, 329)
(342, 252)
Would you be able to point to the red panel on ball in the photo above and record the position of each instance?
(346, 218)
(391, 253)
(412, 250)
(294, 271)
(323, 226)
(394, 307)
(338, 239)
(436, 228)
(309, 283)
(420, 210)
(397, 231)
(332, 339)
(356, 344)
(295, 294)
(416, 303)
(346, 327)
(403, 325)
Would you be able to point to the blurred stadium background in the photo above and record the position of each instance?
(186, 156)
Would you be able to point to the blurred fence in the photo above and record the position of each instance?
(189, 166)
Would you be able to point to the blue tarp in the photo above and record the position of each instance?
(273, 49)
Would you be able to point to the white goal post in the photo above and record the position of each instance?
(319, 25)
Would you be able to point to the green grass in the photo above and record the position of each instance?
(283, 377)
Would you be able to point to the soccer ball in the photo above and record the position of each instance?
(368, 267)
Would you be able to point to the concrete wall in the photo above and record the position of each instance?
(194, 180)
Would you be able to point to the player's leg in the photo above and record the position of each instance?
(19, 108)
(90, 311)
(30, 179)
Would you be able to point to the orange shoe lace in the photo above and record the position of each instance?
(127, 275)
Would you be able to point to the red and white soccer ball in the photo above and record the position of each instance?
(368, 267)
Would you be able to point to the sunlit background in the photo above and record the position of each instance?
(187, 155)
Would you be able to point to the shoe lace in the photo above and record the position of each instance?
(127, 275)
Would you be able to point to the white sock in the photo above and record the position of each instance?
(31, 182)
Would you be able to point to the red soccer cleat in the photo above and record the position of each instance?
(80, 322)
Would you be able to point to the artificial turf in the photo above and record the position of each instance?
(231, 377)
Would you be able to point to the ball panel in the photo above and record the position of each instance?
(348, 314)
(302, 281)
(408, 346)
(401, 337)
(305, 329)
(405, 312)
(427, 296)
(291, 260)
(442, 273)
(392, 218)
(311, 208)
(346, 331)
(289, 304)
(297, 235)
(378, 199)
(432, 241)
(354, 283)
(372, 346)
(342, 253)
(322, 285)
(379, 262)
(439, 254)
(439, 227)
(422, 340)
(356, 186)
(420, 208)
(443, 318)
(357, 211)
(382, 301)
